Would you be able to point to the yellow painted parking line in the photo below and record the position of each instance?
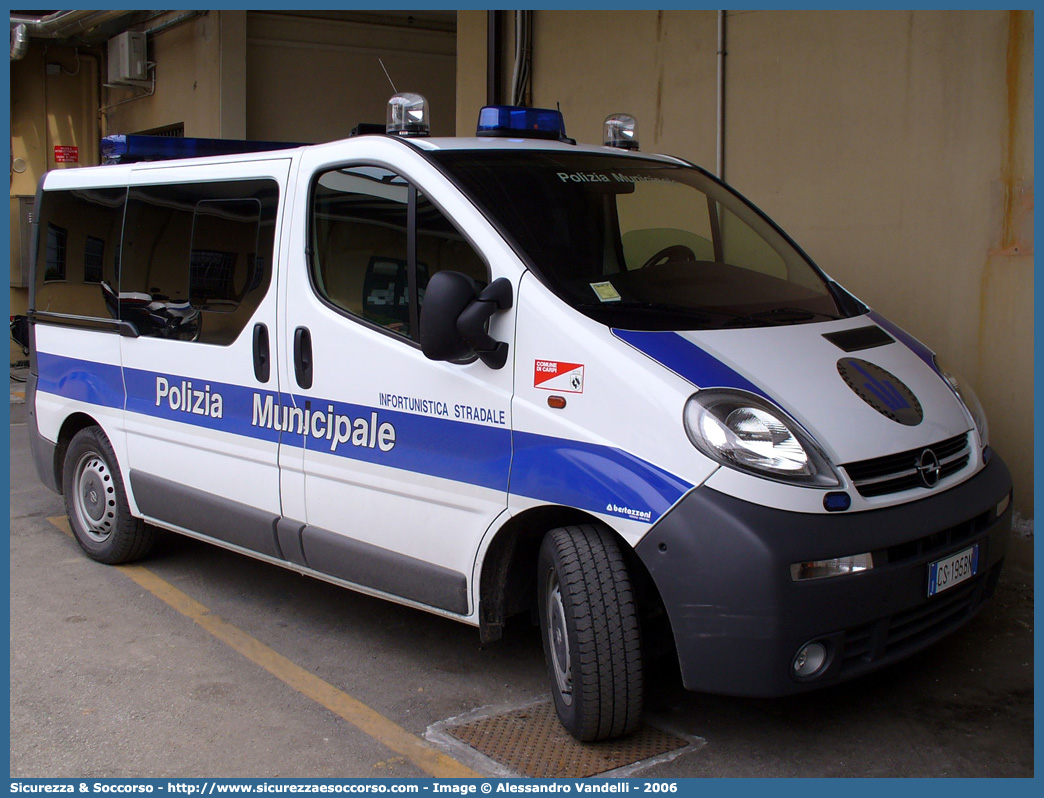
(374, 724)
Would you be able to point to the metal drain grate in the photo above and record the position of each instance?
(531, 742)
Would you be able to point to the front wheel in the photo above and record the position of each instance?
(97, 504)
(590, 628)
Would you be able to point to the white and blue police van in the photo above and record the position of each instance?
(511, 374)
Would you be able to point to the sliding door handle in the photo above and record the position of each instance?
(303, 357)
(262, 355)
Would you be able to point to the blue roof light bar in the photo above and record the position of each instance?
(119, 148)
(510, 121)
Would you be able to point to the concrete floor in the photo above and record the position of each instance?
(107, 680)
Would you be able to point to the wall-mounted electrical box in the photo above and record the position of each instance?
(127, 61)
(21, 238)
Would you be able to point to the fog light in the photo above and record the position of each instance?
(810, 659)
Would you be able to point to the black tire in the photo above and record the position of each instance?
(97, 504)
(590, 627)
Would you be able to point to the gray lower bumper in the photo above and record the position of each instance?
(722, 567)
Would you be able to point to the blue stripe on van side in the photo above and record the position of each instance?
(474, 454)
(471, 453)
(597, 478)
(196, 401)
(687, 360)
(600, 479)
(82, 380)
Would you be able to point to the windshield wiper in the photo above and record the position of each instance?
(777, 317)
(800, 314)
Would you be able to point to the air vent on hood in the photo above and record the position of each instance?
(859, 338)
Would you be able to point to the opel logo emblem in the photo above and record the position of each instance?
(928, 469)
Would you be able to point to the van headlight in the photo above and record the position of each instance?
(971, 402)
(743, 431)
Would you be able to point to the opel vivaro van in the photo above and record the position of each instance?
(510, 374)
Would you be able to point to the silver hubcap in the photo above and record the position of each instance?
(94, 497)
(559, 641)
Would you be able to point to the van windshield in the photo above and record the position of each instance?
(640, 244)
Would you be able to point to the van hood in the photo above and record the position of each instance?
(860, 387)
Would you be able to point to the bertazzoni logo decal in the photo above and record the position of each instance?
(884, 392)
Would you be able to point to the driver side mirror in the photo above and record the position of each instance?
(453, 323)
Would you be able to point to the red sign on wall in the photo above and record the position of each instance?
(66, 154)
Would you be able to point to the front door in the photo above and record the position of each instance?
(401, 462)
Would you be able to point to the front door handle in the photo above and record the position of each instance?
(262, 359)
(303, 357)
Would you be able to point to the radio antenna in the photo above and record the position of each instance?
(381, 61)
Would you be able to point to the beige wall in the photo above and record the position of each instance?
(471, 69)
(314, 80)
(200, 81)
(896, 147)
(657, 65)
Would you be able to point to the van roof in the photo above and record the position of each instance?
(119, 174)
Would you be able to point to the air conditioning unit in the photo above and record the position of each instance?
(127, 61)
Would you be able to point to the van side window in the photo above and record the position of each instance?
(78, 228)
(441, 244)
(361, 260)
(196, 258)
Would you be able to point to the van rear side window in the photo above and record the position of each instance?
(197, 258)
(185, 261)
(224, 266)
(79, 241)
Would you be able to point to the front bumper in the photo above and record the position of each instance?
(722, 567)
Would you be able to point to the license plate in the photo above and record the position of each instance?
(949, 571)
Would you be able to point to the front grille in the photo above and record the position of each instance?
(904, 632)
(937, 542)
(898, 472)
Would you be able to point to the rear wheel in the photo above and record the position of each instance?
(590, 629)
(97, 504)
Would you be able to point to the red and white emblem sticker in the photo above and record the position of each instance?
(552, 375)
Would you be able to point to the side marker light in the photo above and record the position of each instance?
(837, 501)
